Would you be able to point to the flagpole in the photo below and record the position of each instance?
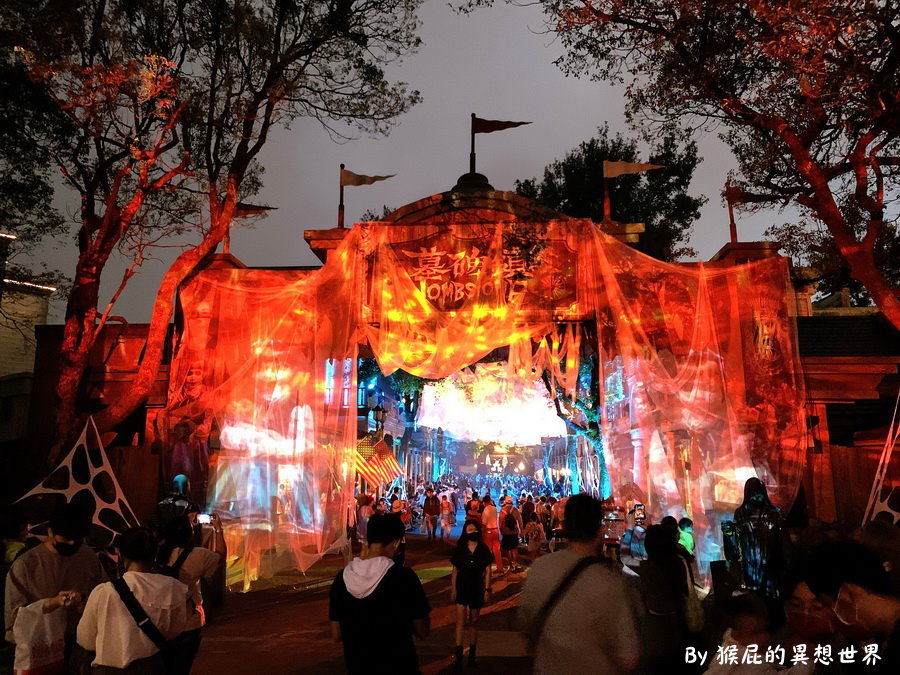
(607, 207)
(731, 224)
(341, 202)
(472, 151)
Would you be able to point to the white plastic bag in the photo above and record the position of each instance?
(40, 640)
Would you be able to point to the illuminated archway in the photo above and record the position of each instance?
(697, 365)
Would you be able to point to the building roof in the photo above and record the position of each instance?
(869, 335)
(469, 201)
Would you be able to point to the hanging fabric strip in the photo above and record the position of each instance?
(696, 369)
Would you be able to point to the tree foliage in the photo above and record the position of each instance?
(371, 214)
(26, 188)
(170, 103)
(806, 92)
(582, 413)
(406, 386)
(809, 244)
(658, 198)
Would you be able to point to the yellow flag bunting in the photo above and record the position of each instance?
(613, 169)
(350, 178)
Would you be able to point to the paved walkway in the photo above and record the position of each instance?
(284, 629)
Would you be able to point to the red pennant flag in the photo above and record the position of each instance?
(480, 126)
(736, 195)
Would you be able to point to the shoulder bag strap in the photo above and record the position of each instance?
(179, 561)
(537, 626)
(139, 614)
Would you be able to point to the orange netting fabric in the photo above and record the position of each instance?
(698, 371)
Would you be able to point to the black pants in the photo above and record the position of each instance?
(188, 646)
(431, 523)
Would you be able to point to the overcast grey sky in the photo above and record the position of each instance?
(497, 63)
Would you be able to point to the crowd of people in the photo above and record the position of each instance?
(829, 605)
(799, 603)
(514, 517)
(139, 610)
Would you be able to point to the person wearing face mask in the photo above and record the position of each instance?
(60, 573)
(811, 623)
(848, 577)
(470, 586)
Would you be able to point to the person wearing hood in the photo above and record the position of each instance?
(374, 585)
(761, 540)
(177, 504)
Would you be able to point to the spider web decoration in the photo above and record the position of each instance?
(887, 507)
(86, 478)
(884, 500)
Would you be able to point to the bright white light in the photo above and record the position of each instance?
(485, 406)
(28, 284)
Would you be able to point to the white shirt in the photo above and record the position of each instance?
(41, 573)
(489, 517)
(591, 629)
(108, 628)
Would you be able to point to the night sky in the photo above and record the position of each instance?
(497, 63)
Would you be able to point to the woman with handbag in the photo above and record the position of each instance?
(129, 623)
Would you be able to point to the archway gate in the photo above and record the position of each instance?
(698, 365)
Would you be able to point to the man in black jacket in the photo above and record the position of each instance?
(432, 511)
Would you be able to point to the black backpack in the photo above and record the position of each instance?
(173, 569)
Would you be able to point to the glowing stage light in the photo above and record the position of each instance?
(483, 403)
